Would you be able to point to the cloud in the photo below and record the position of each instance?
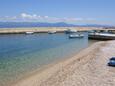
(8, 18)
(46, 17)
(73, 19)
(23, 17)
(35, 17)
(28, 16)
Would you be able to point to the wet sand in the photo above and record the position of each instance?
(87, 68)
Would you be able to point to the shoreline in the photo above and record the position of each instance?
(58, 74)
(45, 29)
(47, 66)
(14, 75)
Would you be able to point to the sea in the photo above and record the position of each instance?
(21, 54)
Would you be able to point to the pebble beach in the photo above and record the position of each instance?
(87, 68)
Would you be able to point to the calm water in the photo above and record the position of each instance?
(22, 53)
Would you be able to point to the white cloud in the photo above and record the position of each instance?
(73, 19)
(28, 16)
(46, 17)
(38, 18)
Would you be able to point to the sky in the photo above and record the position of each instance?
(70, 11)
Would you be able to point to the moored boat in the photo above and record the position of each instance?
(51, 32)
(29, 32)
(76, 36)
(70, 31)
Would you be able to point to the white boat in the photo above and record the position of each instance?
(101, 36)
(76, 36)
(70, 31)
(29, 32)
(51, 32)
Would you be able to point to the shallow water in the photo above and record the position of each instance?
(22, 53)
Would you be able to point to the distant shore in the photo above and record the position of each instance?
(44, 29)
(87, 68)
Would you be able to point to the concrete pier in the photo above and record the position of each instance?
(47, 29)
(38, 30)
(24, 30)
(101, 36)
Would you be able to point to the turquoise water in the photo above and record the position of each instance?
(22, 53)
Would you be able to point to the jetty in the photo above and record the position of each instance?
(98, 33)
(25, 30)
(46, 29)
(101, 36)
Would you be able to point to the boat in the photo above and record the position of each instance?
(69, 31)
(51, 32)
(101, 36)
(76, 36)
(29, 32)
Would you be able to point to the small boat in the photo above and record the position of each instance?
(69, 31)
(76, 36)
(51, 32)
(29, 32)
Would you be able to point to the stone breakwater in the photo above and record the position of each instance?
(43, 29)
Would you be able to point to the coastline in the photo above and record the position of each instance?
(85, 68)
(45, 29)
(28, 63)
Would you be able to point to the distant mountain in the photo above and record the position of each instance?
(97, 25)
(33, 24)
(45, 24)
